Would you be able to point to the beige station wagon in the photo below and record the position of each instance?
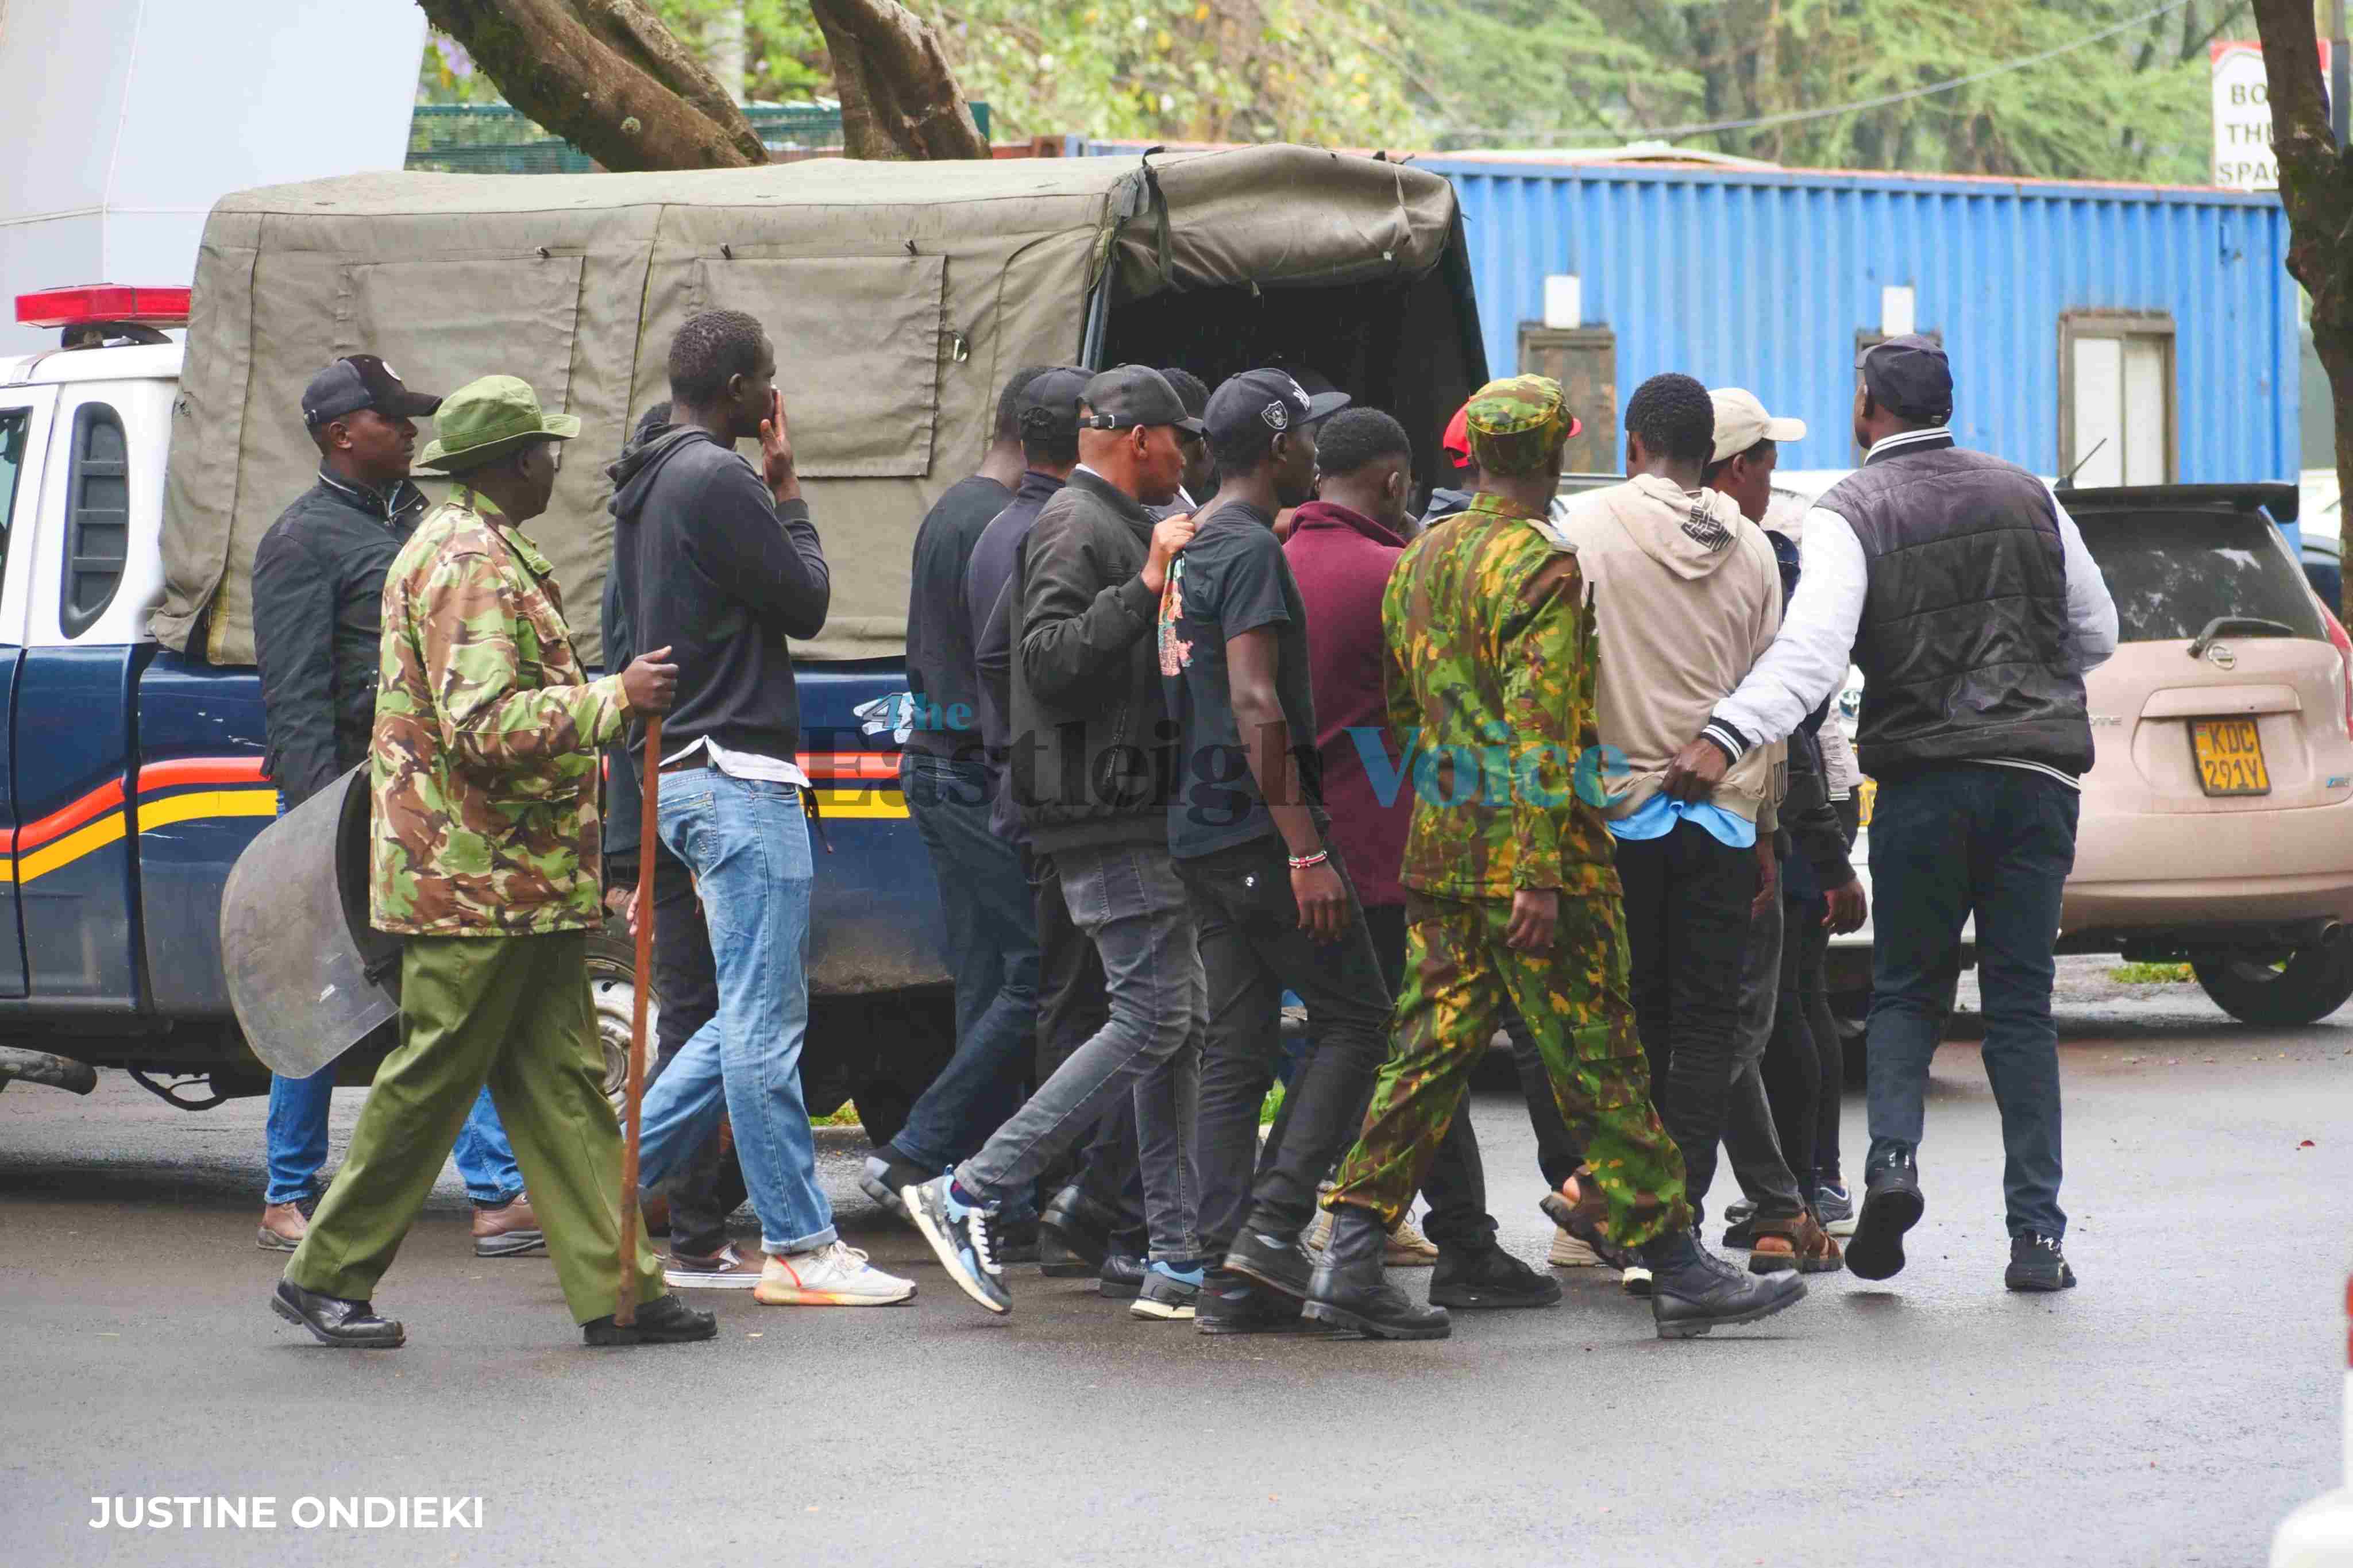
(2217, 824)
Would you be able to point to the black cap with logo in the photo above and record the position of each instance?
(1264, 403)
(1130, 395)
(1911, 376)
(357, 382)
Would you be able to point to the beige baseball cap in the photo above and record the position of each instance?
(1741, 422)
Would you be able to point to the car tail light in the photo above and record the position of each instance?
(103, 302)
(2344, 646)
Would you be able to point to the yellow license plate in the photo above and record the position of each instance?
(2230, 756)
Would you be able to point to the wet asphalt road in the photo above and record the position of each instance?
(2169, 1412)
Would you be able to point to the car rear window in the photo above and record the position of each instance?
(2171, 573)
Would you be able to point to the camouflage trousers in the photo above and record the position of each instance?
(1578, 1003)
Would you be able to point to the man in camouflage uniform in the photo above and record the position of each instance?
(1511, 890)
(483, 776)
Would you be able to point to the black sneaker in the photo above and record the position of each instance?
(1232, 1304)
(1489, 1277)
(1122, 1275)
(961, 1239)
(2036, 1264)
(1692, 1290)
(1277, 1261)
(888, 1171)
(1740, 1226)
(1892, 1204)
(665, 1321)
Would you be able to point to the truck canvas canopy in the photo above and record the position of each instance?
(899, 297)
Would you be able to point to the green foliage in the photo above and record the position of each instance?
(1489, 73)
(2151, 975)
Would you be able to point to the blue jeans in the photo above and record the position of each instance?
(746, 841)
(1947, 844)
(1127, 900)
(296, 1132)
(992, 928)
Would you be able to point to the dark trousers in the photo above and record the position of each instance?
(1558, 1153)
(991, 917)
(1947, 844)
(710, 1186)
(1792, 1064)
(1830, 1042)
(1073, 1004)
(1252, 952)
(1687, 899)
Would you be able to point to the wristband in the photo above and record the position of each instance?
(1307, 862)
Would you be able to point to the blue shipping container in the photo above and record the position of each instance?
(1763, 277)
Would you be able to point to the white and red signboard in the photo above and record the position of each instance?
(2243, 115)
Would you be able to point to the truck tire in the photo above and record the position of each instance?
(2313, 983)
(612, 990)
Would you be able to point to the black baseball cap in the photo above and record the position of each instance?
(1130, 395)
(1048, 406)
(1323, 399)
(1265, 403)
(357, 382)
(1911, 376)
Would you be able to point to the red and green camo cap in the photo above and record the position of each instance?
(1517, 423)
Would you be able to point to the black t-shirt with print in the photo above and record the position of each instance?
(1233, 578)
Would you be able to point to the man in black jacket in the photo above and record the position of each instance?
(1088, 720)
(720, 563)
(709, 1186)
(1965, 595)
(318, 591)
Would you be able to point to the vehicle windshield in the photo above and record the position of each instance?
(2172, 572)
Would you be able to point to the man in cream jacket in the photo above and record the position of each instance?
(1686, 597)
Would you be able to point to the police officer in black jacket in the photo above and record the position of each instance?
(318, 593)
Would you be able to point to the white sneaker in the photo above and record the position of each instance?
(1635, 1281)
(834, 1275)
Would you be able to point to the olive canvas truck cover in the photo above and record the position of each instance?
(899, 296)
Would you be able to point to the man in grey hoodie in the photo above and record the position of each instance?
(1686, 597)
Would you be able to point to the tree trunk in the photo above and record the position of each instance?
(2317, 189)
(899, 97)
(607, 77)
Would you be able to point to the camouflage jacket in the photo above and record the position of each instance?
(1489, 681)
(483, 762)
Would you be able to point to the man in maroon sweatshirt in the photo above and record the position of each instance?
(1341, 552)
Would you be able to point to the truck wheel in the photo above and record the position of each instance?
(612, 990)
(2309, 985)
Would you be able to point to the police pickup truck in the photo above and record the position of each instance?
(130, 775)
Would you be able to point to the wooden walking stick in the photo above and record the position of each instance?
(625, 1308)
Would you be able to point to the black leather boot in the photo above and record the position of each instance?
(1692, 1290)
(664, 1321)
(1350, 1291)
(333, 1320)
(1073, 1235)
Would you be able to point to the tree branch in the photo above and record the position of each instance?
(898, 96)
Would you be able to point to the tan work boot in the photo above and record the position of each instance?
(1578, 1213)
(283, 1226)
(510, 1231)
(1409, 1248)
(1801, 1244)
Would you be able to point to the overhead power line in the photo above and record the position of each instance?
(1798, 116)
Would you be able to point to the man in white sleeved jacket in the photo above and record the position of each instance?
(1969, 602)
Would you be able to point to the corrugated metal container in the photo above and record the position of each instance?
(1763, 278)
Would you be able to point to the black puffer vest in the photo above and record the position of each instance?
(1963, 642)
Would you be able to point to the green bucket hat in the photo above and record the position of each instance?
(489, 419)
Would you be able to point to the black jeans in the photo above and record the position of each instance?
(1945, 844)
(1792, 1064)
(1830, 1043)
(710, 1186)
(1071, 1005)
(1252, 952)
(1687, 899)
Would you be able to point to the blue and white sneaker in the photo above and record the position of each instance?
(1834, 1207)
(1168, 1294)
(960, 1234)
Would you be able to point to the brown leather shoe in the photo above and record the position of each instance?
(508, 1232)
(1801, 1244)
(283, 1226)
